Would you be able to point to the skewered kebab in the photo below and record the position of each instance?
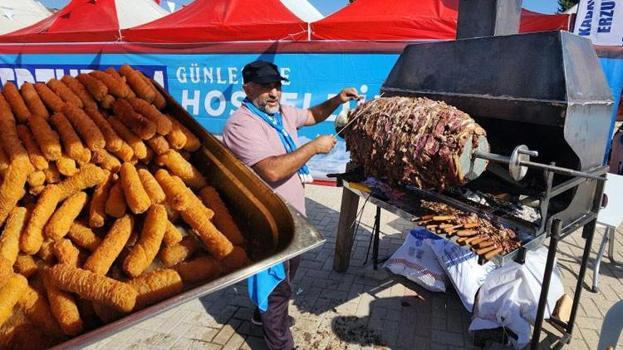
(416, 141)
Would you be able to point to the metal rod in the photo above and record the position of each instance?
(563, 171)
(588, 232)
(547, 276)
(377, 233)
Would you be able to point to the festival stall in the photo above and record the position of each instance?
(88, 21)
(197, 53)
(17, 14)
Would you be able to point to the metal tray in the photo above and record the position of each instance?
(277, 231)
(524, 233)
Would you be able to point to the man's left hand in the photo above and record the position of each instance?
(349, 94)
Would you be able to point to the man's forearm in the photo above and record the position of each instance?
(277, 168)
(323, 111)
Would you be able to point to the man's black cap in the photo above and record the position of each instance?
(261, 72)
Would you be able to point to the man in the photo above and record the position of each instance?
(263, 134)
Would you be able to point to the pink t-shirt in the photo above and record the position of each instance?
(251, 139)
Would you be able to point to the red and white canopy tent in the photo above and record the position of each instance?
(88, 21)
(222, 21)
(411, 20)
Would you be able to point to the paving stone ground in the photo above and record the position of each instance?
(362, 308)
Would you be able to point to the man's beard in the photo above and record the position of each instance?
(271, 110)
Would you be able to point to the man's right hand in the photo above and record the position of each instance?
(324, 144)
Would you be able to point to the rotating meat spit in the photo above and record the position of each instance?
(519, 162)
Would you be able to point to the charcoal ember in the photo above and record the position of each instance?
(415, 141)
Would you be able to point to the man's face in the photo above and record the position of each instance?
(264, 96)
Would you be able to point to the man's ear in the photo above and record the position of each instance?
(249, 88)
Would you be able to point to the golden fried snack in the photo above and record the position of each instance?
(137, 84)
(97, 89)
(172, 235)
(113, 73)
(26, 265)
(97, 208)
(235, 260)
(140, 125)
(110, 247)
(34, 152)
(60, 222)
(47, 138)
(175, 190)
(173, 214)
(10, 294)
(156, 286)
(35, 306)
(5, 109)
(222, 218)
(192, 142)
(4, 162)
(9, 240)
(135, 195)
(144, 251)
(45, 253)
(33, 101)
(159, 101)
(149, 111)
(200, 269)
(113, 141)
(158, 144)
(35, 191)
(108, 101)
(106, 160)
(182, 168)
(115, 203)
(66, 165)
(150, 156)
(66, 252)
(137, 145)
(80, 91)
(32, 238)
(16, 102)
(151, 186)
(176, 138)
(6, 270)
(89, 175)
(49, 97)
(125, 154)
(64, 308)
(215, 242)
(173, 255)
(86, 128)
(65, 93)
(70, 139)
(12, 188)
(83, 237)
(117, 88)
(94, 287)
(52, 175)
(36, 178)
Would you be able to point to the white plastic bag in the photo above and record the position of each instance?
(462, 268)
(510, 297)
(416, 261)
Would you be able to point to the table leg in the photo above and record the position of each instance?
(613, 232)
(345, 230)
(600, 255)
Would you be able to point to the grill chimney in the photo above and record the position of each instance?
(480, 18)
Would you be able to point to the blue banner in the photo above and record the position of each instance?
(209, 86)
